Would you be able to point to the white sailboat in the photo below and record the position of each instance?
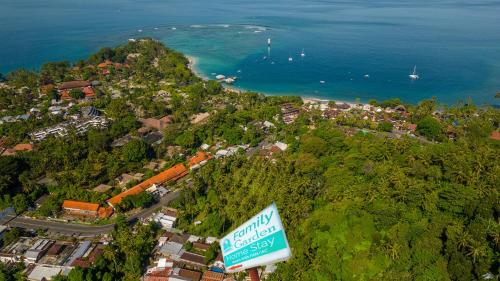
(302, 54)
(414, 75)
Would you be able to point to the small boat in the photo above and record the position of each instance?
(174, 28)
(414, 75)
(264, 58)
(367, 76)
(156, 28)
(302, 54)
(322, 82)
(290, 59)
(239, 71)
(140, 30)
(268, 41)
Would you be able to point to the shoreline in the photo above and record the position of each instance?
(192, 65)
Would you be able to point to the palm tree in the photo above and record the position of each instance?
(476, 250)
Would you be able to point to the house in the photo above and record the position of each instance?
(181, 274)
(102, 188)
(201, 246)
(37, 250)
(44, 272)
(89, 111)
(105, 64)
(79, 252)
(412, 127)
(105, 212)
(55, 250)
(157, 190)
(88, 92)
(198, 160)
(200, 117)
(176, 172)
(74, 85)
(212, 276)
(158, 124)
(289, 113)
(153, 138)
(125, 178)
(17, 148)
(84, 86)
(86, 262)
(193, 259)
(171, 249)
(158, 274)
(80, 208)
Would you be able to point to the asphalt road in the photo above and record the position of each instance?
(87, 230)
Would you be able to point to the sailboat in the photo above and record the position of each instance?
(302, 54)
(414, 75)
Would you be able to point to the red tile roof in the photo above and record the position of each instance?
(158, 275)
(88, 91)
(212, 276)
(78, 205)
(173, 173)
(412, 127)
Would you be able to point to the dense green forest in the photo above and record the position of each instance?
(356, 204)
(363, 207)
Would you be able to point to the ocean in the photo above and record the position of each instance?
(454, 44)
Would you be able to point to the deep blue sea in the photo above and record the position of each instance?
(455, 44)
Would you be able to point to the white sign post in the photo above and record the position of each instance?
(259, 241)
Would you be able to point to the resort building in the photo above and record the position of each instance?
(80, 208)
(198, 160)
(158, 124)
(174, 173)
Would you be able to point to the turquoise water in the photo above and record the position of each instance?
(455, 44)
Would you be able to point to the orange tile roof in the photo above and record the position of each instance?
(23, 147)
(104, 64)
(78, 205)
(65, 95)
(199, 157)
(105, 212)
(173, 173)
(88, 91)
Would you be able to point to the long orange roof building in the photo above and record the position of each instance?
(174, 173)
(80, 206)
